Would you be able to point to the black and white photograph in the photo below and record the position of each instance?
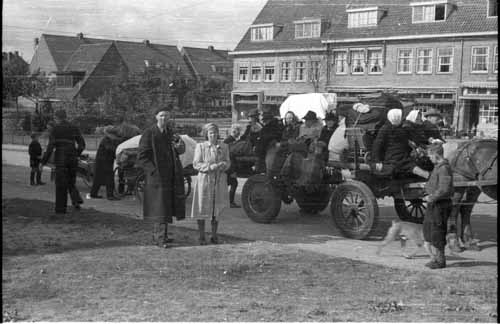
(250, 161)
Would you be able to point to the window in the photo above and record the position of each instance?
(374, 61)
(495, 62)
(492, 8)
(262, 33)
(429, 13)
(405, 60)
(269, 73)
(243, 73)
(488, 113)
(285, 71)
(314, 72)
(424, 60)
(64, 81)
(256, 73)
(307, 29)
(300, 71)
(357, 62)
(340, 59)
(480, 59)
(362, 18)
(445, 60)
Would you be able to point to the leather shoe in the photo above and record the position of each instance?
(77, 206)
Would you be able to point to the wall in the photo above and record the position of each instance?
(468, 75)
(42, 59)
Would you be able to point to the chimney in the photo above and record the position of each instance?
(36, 42)
(210, 48)
(146, 42)
(80, 35)
(17, 53)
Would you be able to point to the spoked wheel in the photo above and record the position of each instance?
(412, 210)
(354, 209)
(260, 199)
(139, 187)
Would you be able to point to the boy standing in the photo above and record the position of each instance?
(232, 180)
(440, 190)
(35, 152)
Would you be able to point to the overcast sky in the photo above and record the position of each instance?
(195, 23)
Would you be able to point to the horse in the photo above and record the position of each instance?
(472, 160)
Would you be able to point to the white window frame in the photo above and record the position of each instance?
(266, 33)
(266, 66)
(363, 59)
(429, 57)
(438, 59)
(472, 56)
(314, 70)
(487, 116)
(495, 60)
(243, 66)
(410, 64)
(431, 6)
(362, 17)
(488, 15)
(303, 69)
(289, 71)
(380, 60)
(313, 26)
(345, 60)
(256, 67)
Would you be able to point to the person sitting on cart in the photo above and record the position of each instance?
(104, 160)
(291, 128)
(271, 131)
(311, 129)
(253, 129)
(431, 129)
(391, 149)
(414, 125)
(332, 122)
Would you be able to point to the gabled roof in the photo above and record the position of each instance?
(203, 61)
(87, 57)
(134, 54)
(464, 16)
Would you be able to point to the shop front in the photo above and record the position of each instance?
(478, 109)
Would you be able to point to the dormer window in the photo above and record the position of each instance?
(362, 17)
(492, 8)
(263, 32)
(307, 28)
(429, 11)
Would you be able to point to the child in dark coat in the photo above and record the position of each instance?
(35, 152)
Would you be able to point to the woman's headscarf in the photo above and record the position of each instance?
(208, 127)
(394, 116)
(412, 116)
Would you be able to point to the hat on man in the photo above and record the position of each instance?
(267, 115)
(160, 109)
(433, 112)
(61, 114)
(253, 113)
(331, 116)
(311, 115)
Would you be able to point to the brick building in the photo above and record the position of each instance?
(441, 53)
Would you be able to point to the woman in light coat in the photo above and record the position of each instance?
(210, 194)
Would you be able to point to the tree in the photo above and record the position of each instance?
(15, 79)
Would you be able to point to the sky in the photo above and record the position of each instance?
(194, 23)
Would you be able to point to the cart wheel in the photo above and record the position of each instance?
(412, 210)
(313, 203)
(260, 199)
(354, 209)
(139, 187)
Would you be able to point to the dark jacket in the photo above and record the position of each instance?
(290, 132)
(35, 150)
(269, 132)
(230, 140)
(416, 132)
(104, 159)
(391, 145)
(431, 130)
(158, 156)
(326, 133)
(251, 136)
(440, 183)
(67, 141)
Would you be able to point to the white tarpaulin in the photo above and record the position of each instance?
(186, 158)
(300, 104)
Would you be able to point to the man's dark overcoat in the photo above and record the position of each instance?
(391, 148)
(104, 159)
(164, 189)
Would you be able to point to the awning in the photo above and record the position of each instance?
(477, 84)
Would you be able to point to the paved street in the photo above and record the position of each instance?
(311, 232)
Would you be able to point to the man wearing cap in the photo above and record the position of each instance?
(311, 129)
(253, 128)
(430, 125)
(272, 130)
(158, 156)
(67, 143)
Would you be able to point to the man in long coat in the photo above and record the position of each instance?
(67, 143)
(158, 155)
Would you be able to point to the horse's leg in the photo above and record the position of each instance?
(454, 220)
(471, 196)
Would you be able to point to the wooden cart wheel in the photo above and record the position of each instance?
(412, 210)
(354, 209)
(261, 202)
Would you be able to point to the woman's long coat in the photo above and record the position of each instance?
(392, 148)
(164, 189)
(104, 159)
(208, 182)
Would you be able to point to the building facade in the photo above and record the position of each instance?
(438, 53)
